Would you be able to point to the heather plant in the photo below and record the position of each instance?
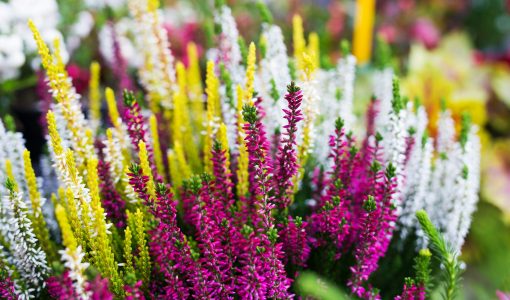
(220, 189)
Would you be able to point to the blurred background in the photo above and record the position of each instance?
(452, 50)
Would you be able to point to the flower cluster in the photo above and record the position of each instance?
(231, 198)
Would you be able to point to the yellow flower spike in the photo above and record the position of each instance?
(94, 93)
(242, 166)
(183, 165)
(93, 182)
(33, 192)
(223, 139)
(158, 157)
(239, 105)
(181, 77)
(44, 51)
(10, 174)
(314, 48)
(68, 238)
(195, 88)
(38, 222)
(250, 72)
(58, 56)
(146, 170)
(193, 72)
(213, 111)
(298, 38)
(54, 200)
(69, 158)
(74, 218)
(208, 143)
(56, 141)
(112, 107)
(61, 192)
(143, 263)
(303, 155)
(363, 30)
(104, 257)
(152, 5)
(183, 129)
(212, 90)
(128, 252)
(308, 66)
(173, 165)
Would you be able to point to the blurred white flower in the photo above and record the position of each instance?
(16, 41)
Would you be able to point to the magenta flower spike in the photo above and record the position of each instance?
(286, 165)
(112, 202)
(60, 287)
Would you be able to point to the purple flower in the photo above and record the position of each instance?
(7, 289)
(112, 202)
(137, 128)
(294, 238)
(133, 292)
(98, 289)
(287, 166)
(259, 167)
(412, 291)
(61, 287)
(329, 224)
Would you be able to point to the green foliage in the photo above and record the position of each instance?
(397, 103)
(345, 47)
(274, 91)
(451, 269)
(229, 86)
(311, 285)
(244, 49)
(422, 268)
(249, 114)
(465, 126)
(265, 14)
(382, 57)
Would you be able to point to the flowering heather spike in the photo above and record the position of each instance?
(411, 291)
(157, 74)
(133, 292)
(295, 241)
(61, 287)
(298, 39)
(143, 263)
(66, 97)
(158, 158)
(98, 289)
(72, 255)
(26, 256)
(313, 48)
(111, 199)
(38, 222)
(94, 95)
(168, 246)
(144, 163)
(222, 183)
(260, 170)
(229, 50)
(287, 166)
(7, 289)
(136, 126)
(250, 73)
(104, 258)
